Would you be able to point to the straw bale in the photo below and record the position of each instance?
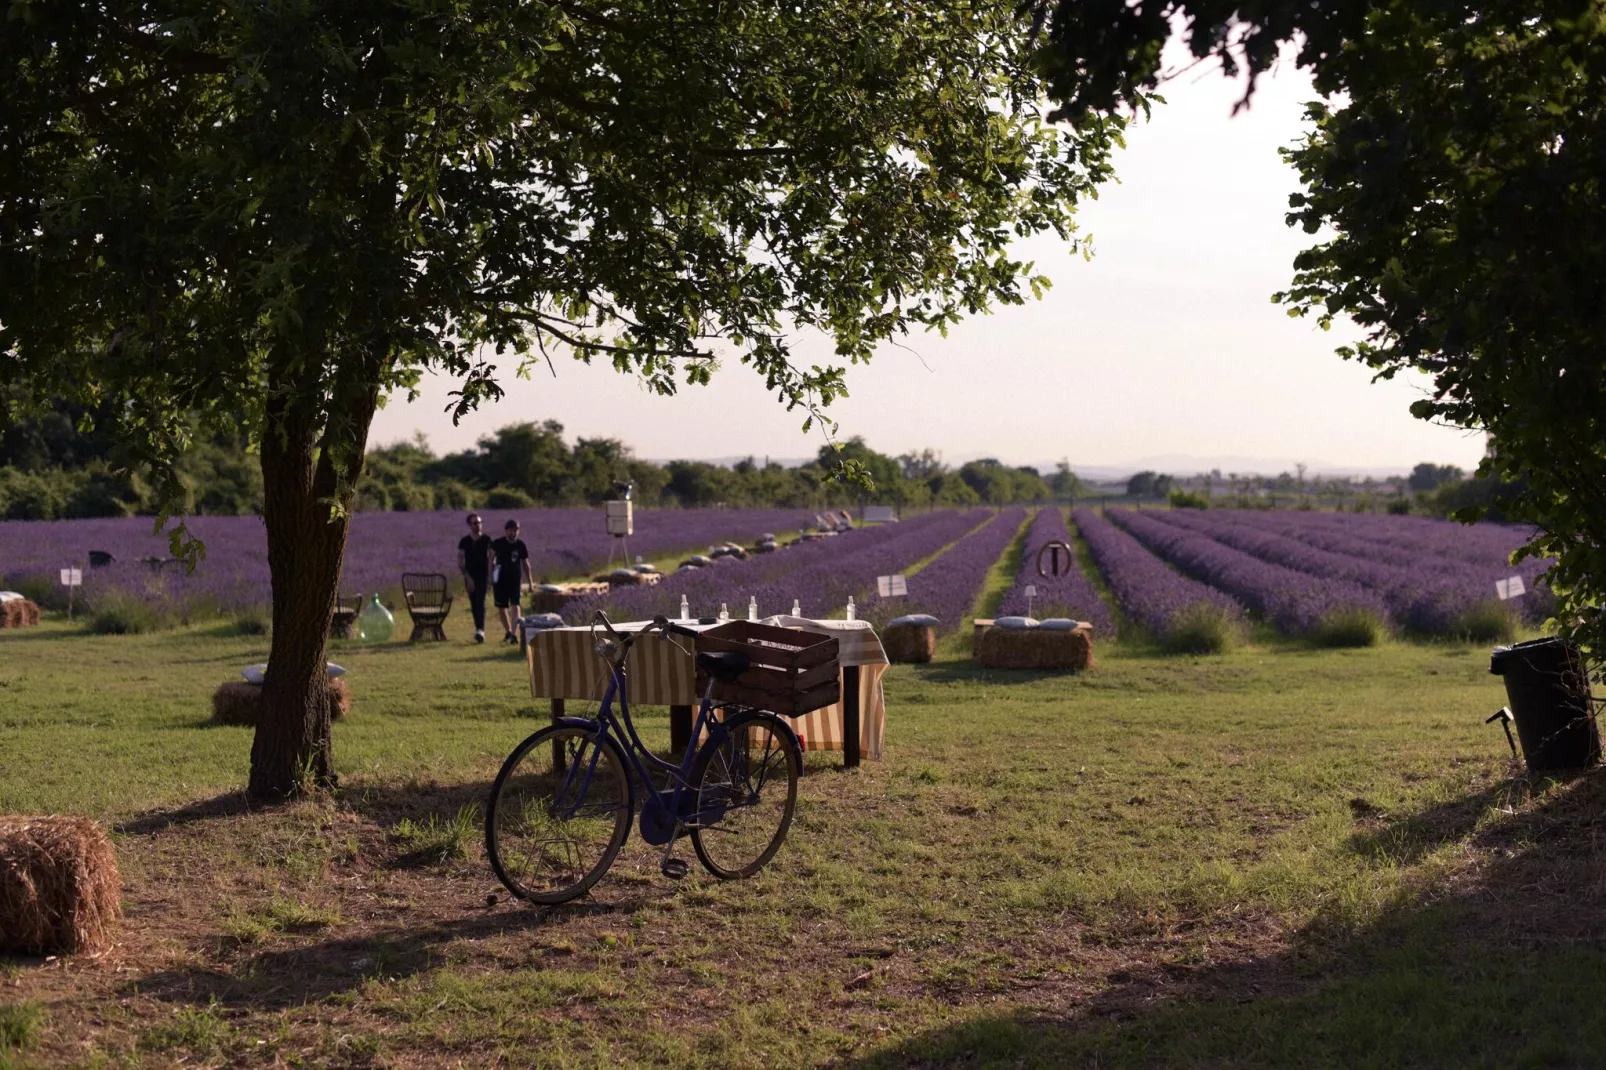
(238, 702)
(18, 613)
(909, 643)
(1035, 648)
(60, 891)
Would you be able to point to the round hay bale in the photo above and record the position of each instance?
(60, 891)
(1036, 648)
(910, 643)
(238, 702)
(18, 613)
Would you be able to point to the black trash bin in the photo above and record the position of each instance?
(1548, 687)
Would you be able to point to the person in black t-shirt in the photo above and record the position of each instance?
(474, 562)
(511, 569)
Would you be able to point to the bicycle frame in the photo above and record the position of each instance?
(663, 812)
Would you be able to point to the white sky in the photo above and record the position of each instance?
(1164, 350)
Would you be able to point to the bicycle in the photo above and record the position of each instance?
(558, 816)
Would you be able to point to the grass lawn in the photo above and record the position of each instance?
(1278, 856)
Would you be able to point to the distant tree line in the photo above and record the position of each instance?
(61, 466)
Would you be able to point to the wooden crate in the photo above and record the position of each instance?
(792, 672)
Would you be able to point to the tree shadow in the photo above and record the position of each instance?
(229, 804)
(1502, 965)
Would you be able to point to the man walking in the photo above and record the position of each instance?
(512, 567)
(474, 562)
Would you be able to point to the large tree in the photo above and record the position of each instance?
(1455, 174)
(290, 209)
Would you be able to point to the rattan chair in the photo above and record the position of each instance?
(344, 618)
(428, 603)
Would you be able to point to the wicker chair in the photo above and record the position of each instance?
(344, 618)
(428, 603)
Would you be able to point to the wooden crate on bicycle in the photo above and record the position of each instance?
(791, 672)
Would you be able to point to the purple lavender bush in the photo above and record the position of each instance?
(947, 588)
(1070, 595)
(1326, 611)
(1183, 615)
(1432, 602)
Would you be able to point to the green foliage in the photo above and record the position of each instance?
(438, 839)
(19, 1025)
(1427, 476)
(1491, 621)
(999, 484)
(1187, 499)
(117, 612)
(1148, 484)
(1201, 629)
(1349, 628)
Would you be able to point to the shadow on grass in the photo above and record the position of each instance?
(1506, 968)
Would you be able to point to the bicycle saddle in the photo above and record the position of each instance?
(724, 666)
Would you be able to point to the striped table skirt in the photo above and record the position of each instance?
(564, 665)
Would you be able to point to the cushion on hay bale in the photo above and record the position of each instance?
(59, 886)
(909, 643)
(542, 620)
(646, 569)
(1059, 624)
(255, 674)
(237, 702)
(923, 619)
(1034, 648)
(1015, 622)
(18, 612)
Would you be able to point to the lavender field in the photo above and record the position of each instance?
(234, 575)
(1070, 595)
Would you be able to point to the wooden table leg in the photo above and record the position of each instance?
(679, 728)
(850, 716)
(558, 760)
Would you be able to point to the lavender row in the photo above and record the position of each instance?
(1480, 551)
(1296, 602)
(1150, 594)
(1068, 595)
(947, 587)
(1436, 603)
(819, 575)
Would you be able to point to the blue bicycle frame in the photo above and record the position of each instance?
(664, 813)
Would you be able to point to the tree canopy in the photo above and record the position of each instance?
(274, 215)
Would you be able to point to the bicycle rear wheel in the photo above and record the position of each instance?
(551, 834)
(746, 794)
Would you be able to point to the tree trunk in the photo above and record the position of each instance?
(303, 479)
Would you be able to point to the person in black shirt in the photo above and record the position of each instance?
(512, 568)
(474, 562)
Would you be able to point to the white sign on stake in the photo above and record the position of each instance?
(72, 577)
(1512, 588)
(891, 586)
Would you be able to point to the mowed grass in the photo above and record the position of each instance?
(1274, 857)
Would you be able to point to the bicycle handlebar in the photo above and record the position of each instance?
(670, 626)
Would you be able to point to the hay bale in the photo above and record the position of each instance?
(238, 702)
(18, 613)
(1035, 648)
(909, 643)
(60, 891)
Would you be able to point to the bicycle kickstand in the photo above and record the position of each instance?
(672, 867)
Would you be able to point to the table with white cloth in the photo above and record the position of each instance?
(564, 665)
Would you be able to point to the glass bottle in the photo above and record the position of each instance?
(797, 608)
(853, 610)
(685, 608)
(752, 608)
(375, 623)
(724, 614)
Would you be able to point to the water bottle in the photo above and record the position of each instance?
(685, 608)
(752, 608)
(853, 610)
(797, 608)
(724, 614)
(374, 623)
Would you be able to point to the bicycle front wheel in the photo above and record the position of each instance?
(746, 794)
(553, 829)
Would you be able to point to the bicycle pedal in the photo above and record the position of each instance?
(675, 868)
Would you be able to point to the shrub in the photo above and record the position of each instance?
(252, 622)
(1490, 621)
(1400, 507)
(121, 613)
(1187, 499)
(1201, 628)
(38, 590)
(508, 498)
(1348, 628)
